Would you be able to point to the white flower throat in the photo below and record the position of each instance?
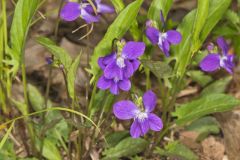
(162, 37)
(141, 116)
(222, 60)
(120, 62)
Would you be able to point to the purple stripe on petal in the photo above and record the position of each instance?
(103, 83)
(223, 45)
(124, 110)
(124, 84)
(114, 88)
(88, 17)
(174, 37)
(135, 130)
(149, 101)
(210, 63)
(155, 122)
(70, 11)
(128, 69)
(133, 50)
(152, 34)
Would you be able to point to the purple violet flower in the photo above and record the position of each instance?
(124, 63)
(163, 40)
(72, 10)
(114, 84)
(214, 61)
(143, 118)
(101, 8)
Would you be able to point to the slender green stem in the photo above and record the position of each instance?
(29, 124)
(3, 46)
(92, 99)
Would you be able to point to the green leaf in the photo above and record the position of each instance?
(71, 76)
(8, 152)
(116, 30)
(218, 86)
(224, 30)
(188, 46)
(158, 5)
(59, 53)
(200, 77)
(204, 106)
(216, 10)
(23, 14)
(190, 28)
(50, 150)
(201, 16)
(232, 17)
(127, 147)
(114, 138)
(118, 5)
(35, 98)
(158, 68)
(5, 137)
(177, 150)
(204, 126)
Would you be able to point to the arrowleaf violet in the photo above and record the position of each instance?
(119, 66)
(222, 59)
(143, 119)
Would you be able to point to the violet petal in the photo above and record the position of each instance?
(114, 88)
(149, 101)
(210, 63)
(155, 122)
(70, 11)
(104, 61)
(103, 8)
(165, 48)
(103, 83)
(125, 84)
(88, 17)
(174, 37)
(223, 45)
(112, 70)
(152, 34)
(124, 109)
(228, 64)
(135, 130)
(133, 50)
(135, 63)
(144, 126)
(128, 69)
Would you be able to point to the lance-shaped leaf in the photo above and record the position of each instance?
(196, 25)
(23, 14)
(206, 105)
(58, 52)
(71, 76)
(158, 68)
(177, 150)
(116, 30)
(157, 6)
(127, 147)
